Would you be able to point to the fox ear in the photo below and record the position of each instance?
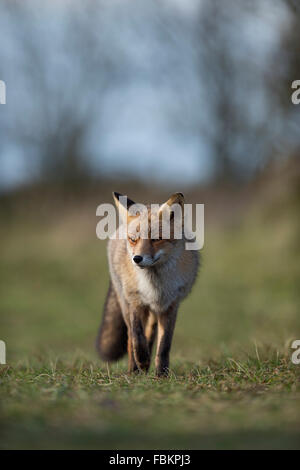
(123, 204)
(177, 198)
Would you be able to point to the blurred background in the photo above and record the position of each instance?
(147, 98)
(187, 92)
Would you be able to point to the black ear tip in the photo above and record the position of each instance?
(116, 195)
(128, 201)
(180, 194)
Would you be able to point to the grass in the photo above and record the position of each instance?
(223, 404)
(232, 383)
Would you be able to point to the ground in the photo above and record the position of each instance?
(232, 382)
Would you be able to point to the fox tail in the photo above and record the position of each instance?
(111, 341)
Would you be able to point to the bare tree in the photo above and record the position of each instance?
(65, 72)
(285, 70)
(233, 80)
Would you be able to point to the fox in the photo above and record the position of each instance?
(149, 277)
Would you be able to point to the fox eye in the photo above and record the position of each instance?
(132, 240)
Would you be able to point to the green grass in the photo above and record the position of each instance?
(232, 383)
(79, 405)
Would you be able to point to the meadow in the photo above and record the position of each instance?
(232, 383)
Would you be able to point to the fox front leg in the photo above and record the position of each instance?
(132, 367)
(166, 325)
(151, 330)
(139, 341)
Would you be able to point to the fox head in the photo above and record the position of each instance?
(154, 233)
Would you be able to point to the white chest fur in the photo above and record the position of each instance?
(158, 289)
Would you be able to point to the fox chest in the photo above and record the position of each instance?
(158, 293)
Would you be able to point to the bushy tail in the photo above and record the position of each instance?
(112, 337)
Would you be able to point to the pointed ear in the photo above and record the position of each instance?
(177, 198)
(123, 203)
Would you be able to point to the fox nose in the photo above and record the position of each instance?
(137, 259)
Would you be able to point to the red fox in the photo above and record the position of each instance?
(149, 277)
